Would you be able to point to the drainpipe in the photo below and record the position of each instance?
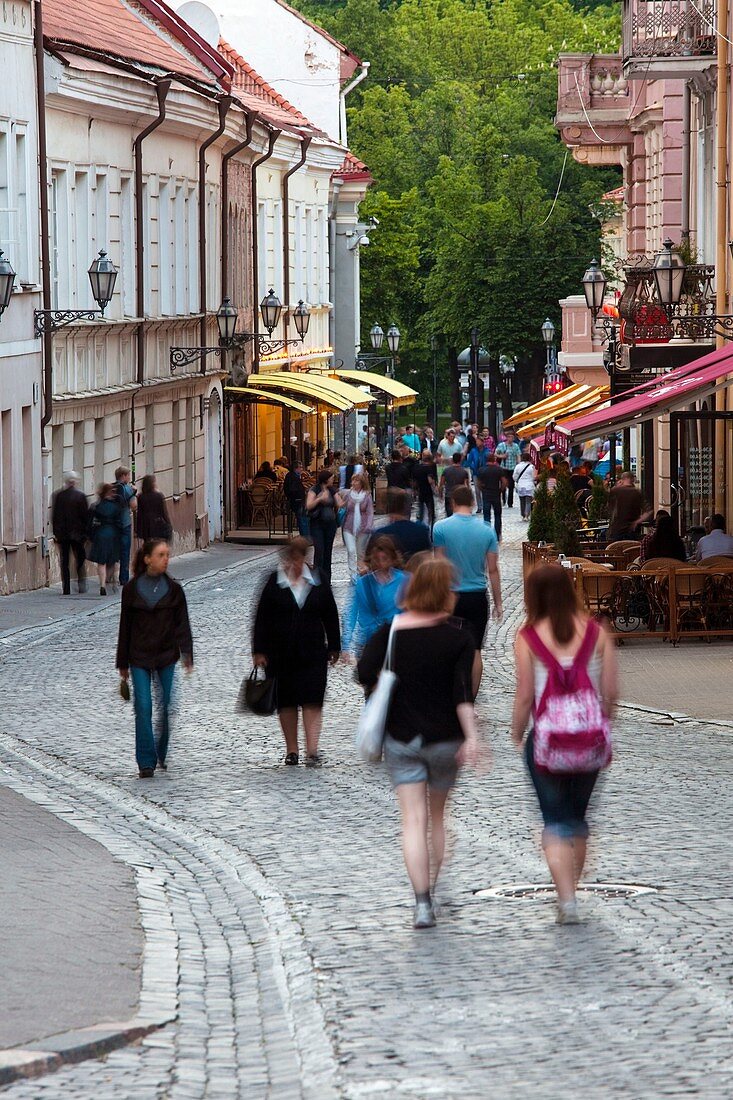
(274, 135)
(304, 145)
(365, 67)
(249, 124)
(225, 103)
(43, 197)
(686, 152)
(721, 168)
(162, 87)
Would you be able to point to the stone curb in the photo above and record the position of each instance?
(47, 1055)
(30, 632)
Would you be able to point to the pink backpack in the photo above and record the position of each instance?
(571, 732)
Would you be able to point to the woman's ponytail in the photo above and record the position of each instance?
(144, 552)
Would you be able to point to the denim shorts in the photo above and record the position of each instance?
(563, 798)
(416, 762)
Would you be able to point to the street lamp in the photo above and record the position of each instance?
(594, 288)
(434, 349)
(7, 280)
(226, 320)
(548, 334)
(393, 339)
(377, 337)
(102, 278)
(669, 275)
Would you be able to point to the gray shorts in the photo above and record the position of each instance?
(415, 762)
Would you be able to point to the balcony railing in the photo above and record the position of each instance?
(670, 36)
(694, 318)
(593, 100)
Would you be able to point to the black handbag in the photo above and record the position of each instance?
(258, 696)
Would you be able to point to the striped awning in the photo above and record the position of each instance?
(338, 395)
(586, 403)
(398, 392)
(276, 399)
(552, 407)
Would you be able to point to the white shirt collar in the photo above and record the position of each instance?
(285, 582)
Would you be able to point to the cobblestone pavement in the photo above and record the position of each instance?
(297, 970)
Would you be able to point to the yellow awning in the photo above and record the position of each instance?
(325, 390)
(399, 393)
(271, 399)
(585, 403)
(549, 406)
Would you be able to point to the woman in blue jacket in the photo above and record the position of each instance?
(375, 600)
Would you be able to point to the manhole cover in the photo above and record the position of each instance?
(542, 890)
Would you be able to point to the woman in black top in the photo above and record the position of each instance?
(296, 636)
(664, 541)
(154, 634)
(321, 506)
(431, 728)
(266, 472)
(151, 520)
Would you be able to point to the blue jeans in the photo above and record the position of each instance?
(495, 505)
(150, 749)
(563, 798)
(125, 547)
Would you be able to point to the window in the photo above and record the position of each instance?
(262, 248)
(298, 252)
(182, 247)
(29, 485)
(188, 406)
(278, 279)
(147, 265)
(60, 252)
(15, 218)
(323, 257)
(6, 485)
(126, 276)
(100, 214)
(310, 276)
(22, 255)
(82, 236)
(6, 211)
(166, 239)
(193, 255)
(212, 245)
(176, 447)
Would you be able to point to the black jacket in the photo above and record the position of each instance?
(285, 632)
(294, 489)
(153, 637)
(69, 515)
(152, 520)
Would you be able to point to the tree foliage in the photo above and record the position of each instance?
(540, 520)
(484, 217)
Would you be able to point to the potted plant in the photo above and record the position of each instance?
(566, 518)
(540, 520)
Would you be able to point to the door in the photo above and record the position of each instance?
(702, 451)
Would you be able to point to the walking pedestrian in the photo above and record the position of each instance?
(476, 457)
(105, 529)
(567, 683)
(411, 439)
(448, 446)
(454, 475)
(296, 636)
(375, 599)
(410, 537)
(431, 728)
(628, 509)
(295, 494)
(508, 452)
(151, 519)
(358, 521)
(472, 548)
(154, 635)
(398, 475)
(491, 481)
(347, 470)
(426, 483)
(321, 506)
(125, 491)
(523, 477)
(69, 522)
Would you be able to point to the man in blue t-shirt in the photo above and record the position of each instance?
(473, 549)
(409, 537)
(126, 499)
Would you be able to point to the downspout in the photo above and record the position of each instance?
(249, 124)
(304, 145)
(365, 67)
(43, 204)
(225, 103)
(274, 135)
(721, 167)
(686, 153)
(162, 87)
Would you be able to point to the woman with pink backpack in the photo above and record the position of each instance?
(567, 684)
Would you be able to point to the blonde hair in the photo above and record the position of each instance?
(363, 480)
(430, 587)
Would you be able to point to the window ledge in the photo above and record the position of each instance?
(11, 547)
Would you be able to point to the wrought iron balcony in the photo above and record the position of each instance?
(593, 104)
(645, 321)
(673, 39)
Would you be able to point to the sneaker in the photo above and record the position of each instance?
(313, 760)
(424, 915)
(292, 758)
(567, 912)
(147, 773)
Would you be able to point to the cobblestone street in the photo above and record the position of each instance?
(277, 913)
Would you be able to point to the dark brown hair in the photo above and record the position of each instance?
(397, 501)
(385, 545)
(462, 497)
(298, 547)
(148, 484)
(144, 552)
(550, 594)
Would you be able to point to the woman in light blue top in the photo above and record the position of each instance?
(376, 595)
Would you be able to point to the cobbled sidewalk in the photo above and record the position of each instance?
(287, 938)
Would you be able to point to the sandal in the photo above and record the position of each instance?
(292, 758)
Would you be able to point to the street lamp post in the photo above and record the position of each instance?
(102, 278)
(474, 379)
(374, 359)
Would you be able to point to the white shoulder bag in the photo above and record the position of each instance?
(373, 720)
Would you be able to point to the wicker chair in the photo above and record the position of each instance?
(261, 505)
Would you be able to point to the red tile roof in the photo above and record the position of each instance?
(121, 30)
(256, 93)
(354, 169)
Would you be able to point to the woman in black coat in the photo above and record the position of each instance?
(296, 636)
(152, 515)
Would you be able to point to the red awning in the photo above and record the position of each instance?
(675, 390)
